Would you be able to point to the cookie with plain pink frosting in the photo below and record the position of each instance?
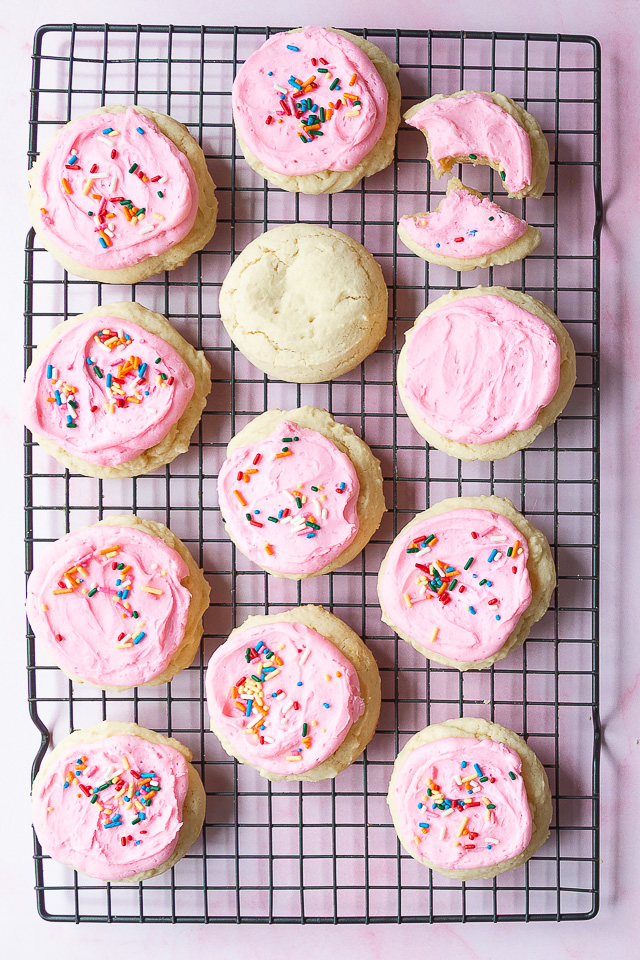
(465, 581)
(296, 695)
(472, 126)
(316, 110)
(122, 193)
(483, 371)
(118, 802)
(300, 493)
(467, 230)
(115, 392)
(118, 604)
(469, 799)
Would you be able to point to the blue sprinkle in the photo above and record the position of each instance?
(72, 160)
(326, 705)
(270, 74)
(280, 512)
(256, 512)
(310, 535)
(118, 582)
(107, 130)
(491, 555)
(497, 616)
(102, 243)
(146, 393)
(475, 576)
(471, 610)
(419, 806)
(259, 645)
(488, 846)
(69, 418)
(49, 372)
(139, 129)
(423, 824)
(299, 683)
(247, 712)
(471, 233)
(433, 806)
(65, 786)
(141, 369)
(437, 244)
(291, 47)
(274, 694)
(477, 769)
(463, 764)
(108, 380)
(58, 397)
(142, 815)
(89, 361)
(489, 584)
(262, 727)
(137, 842)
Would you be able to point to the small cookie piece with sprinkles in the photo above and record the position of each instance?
(469, 799)
(295, 695)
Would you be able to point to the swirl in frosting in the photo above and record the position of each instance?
(308, 102)
(473, 126)
(461, 803)
(464, 226)
(112, 808)
(480, 368)
(457, 583)
(106, 390)
(283, 696)
(115, 190)
(108, 605)
(290, 500)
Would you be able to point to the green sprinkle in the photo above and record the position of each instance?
(257, 679)
(503, 174)
(509, 551)
(71, 424)
(120, 566)
(91, 592)
(322, 70)
(491, 806)
(304, 729)
(94, 798)
(412, 550)
(430, 538)
(164, 376)
(512, 775)
(321, 114)
(287, 439)
(335, 83)
(105, 785)
(98, 372)
(160, 194)
(468, 563)
(285, 450)
(273, 519)
(452, 584)
(315, 489)
(248, 516)
(134, 166)
(429, 792)
(315, 526)
(491, 218)
(473, 156)
(89, 213)
(158, 360)
(482, 583)
(135, 614)
(298, 503)
(296, 439)
(137, 820)
(482, 779)
(269, 655)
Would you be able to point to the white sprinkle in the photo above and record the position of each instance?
(104, 140)
(443, 833)
(113, 184)
(101, 174)
(305, 656)
(324, 514)
(498, 556)
(491, 840)
(497, 539)
(422, 552)
(447, 813)
(146, 229)
(162, 180)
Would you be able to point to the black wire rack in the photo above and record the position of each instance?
(327, 852)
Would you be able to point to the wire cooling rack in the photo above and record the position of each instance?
(327, 852)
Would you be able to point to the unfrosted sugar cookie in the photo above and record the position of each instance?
(300, 493)
(465, 581)
(118, 802)
(115, 392)
(316, 110)
(118, 604)
(305, 303)
(469, 799)
(483, 371)
(472, 126)
(467, 231)
(122, 193)
(295, 695)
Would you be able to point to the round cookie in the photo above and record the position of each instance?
(83, 835)
(279, 468)
(315, 704)
(114, 435)
(473, 126)
(492, 580)
(467, 230)
(145, 638)
(503, 372)
(495, 786)
(80, 213)
(304, 303)
(357, 117)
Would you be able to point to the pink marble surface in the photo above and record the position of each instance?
(616, 25)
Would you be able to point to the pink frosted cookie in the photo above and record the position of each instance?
(118, 604)
(295, 695)
(483, 371)
(115, 392)
(467, 231)
(484, 128)
(317, 109)
(122, 193)
(118, 802)
(465, 581)
(300, 493)
(469, 799)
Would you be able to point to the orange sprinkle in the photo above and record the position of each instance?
(279, 455)
(113, 549)
(269, 549)
(104, 236)
(240, 498)
(67, 590)
(353, 79)
(66, 185)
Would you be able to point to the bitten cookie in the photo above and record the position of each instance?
(115, 392)
(483, 371)
(304, 303)
(467, 230)
(316, 110)
(118, 604)
(296, 695)
(471, 126)
(469, 799)
(118, 802)
(122, 193)
(300, 493)
(465, 581)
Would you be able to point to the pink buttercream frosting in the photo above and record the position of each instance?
(75, 831)
(464, 226)
(276, 518)
(480, 368)
(102, 376)
(474, 124)
(168, 194)
(288, 712)
(270, 126)
(493, 835)
(471, 618)
(81, 606)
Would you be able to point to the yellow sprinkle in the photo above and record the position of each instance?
(407, 600)
(157, 593)
(295, 756)
(45, 607)
(327, 676)
(159, 216)
(125, 763)
(49, 809)
(462, 826)
(352, 113)
(434, 634)
(87, 186)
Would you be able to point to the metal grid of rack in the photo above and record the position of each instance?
(327, 852)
